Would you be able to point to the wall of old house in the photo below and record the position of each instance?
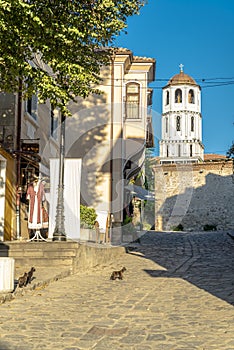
(195, 196)
(9, 228)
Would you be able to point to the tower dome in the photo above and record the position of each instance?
(181, 79)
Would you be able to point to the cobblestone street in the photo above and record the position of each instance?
(177, 294)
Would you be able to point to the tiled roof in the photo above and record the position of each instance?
(143, 59)
(212, 156)
(124, 51)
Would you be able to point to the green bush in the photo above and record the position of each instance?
(127, 220)
(178, 228)
(88, 217)
(210, 227)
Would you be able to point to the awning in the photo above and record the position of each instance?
(140, 192)
(135, 156)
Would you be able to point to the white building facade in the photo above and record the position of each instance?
(181, 139)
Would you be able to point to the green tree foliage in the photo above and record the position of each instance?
(230, 152)
(149, 209)
(150, 162)
(55, 47)
(87, 216)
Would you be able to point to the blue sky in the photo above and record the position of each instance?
(200, 35)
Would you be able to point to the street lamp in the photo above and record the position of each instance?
(59, 231)
(18, 160)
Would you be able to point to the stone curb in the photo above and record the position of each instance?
(36, 285)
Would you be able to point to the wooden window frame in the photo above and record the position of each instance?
(133, 106)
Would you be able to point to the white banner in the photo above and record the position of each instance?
(72, 177)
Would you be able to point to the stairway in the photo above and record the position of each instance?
(69, 254)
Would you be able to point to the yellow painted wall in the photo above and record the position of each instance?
(10, 218)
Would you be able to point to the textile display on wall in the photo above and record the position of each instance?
(72, 178)
(102, 217)
(2, 195)
(37, 200)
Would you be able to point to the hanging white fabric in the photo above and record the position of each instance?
(72, 178)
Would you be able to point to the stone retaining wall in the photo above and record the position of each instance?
(196, 196)
(69, 254)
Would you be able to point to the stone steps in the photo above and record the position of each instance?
(71, 255)
(40, 253)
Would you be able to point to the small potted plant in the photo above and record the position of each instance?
(88, 217)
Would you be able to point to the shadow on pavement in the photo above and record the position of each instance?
(3, 346)
(205, 259)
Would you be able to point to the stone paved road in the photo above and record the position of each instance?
(177, 294)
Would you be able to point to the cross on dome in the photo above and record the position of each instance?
(181, 67)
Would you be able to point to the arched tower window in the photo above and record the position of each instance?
(132, 101)
(178, 96)
(167, 98)
(191, 96)
(178, 123)
(192, 123)
(167, 151)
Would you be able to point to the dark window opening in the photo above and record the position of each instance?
(167, 98)
(192, 123)
(53, 123)
(178, 123)
(191, 96)
(31, 106)
(166, 125)
(191, 150)
(179, 151)
(178, 96)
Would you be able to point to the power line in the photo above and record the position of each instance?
(161, 87)
(168, 79)
(218, 84)
(205, 79)
(210, 82)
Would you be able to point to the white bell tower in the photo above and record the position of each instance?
(181, 140)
